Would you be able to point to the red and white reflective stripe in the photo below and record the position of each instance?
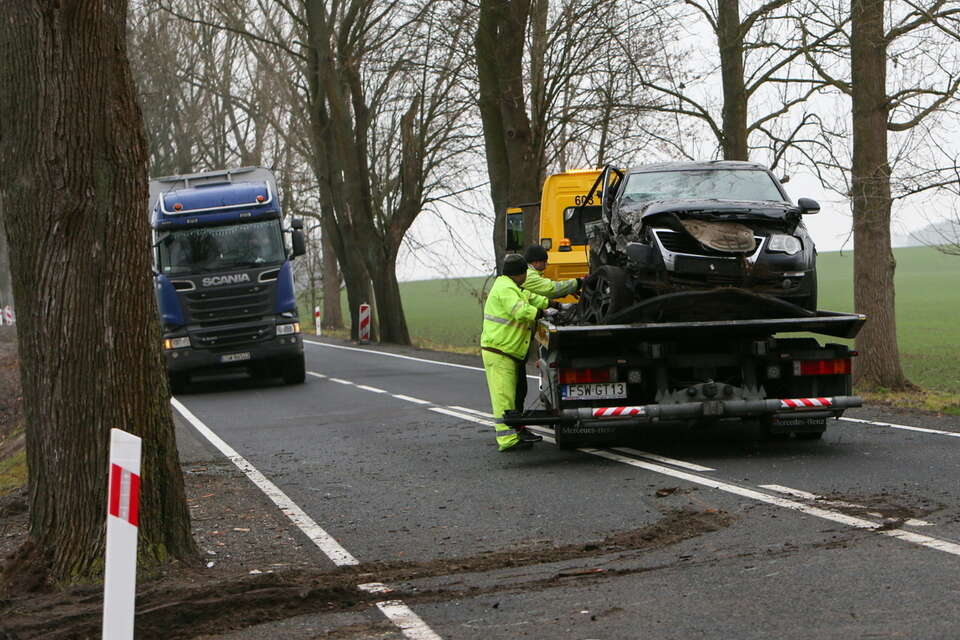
(124, 495)
(805, 403)
(364, 322)
(608, 412)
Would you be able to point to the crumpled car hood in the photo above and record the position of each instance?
(716, 209)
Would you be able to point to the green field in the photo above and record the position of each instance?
(446, 313)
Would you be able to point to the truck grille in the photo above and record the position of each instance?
(229, 338)
(676, 242)
(227, 305)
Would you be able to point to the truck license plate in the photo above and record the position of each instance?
(594, 391)
(235, 357)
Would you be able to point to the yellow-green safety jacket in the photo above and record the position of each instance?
(508, 316)
(546, 287)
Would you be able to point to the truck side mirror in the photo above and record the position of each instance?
(296, 223)
(514, 229)
(808, 206)
(299, 244)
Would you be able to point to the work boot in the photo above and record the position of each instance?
(520, 444)
(528, 436)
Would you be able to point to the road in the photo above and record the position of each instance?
(390, 457)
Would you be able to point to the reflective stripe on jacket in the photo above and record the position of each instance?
(546, 287)
(508, 316)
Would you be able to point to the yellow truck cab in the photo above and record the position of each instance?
(564, 212)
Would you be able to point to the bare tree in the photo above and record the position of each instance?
(928, 82)
(72, 193)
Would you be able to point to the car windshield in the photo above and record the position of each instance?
(712, 184)
(218, 248)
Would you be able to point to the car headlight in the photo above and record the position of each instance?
(287, 329)
(781, 243)
(176, 343)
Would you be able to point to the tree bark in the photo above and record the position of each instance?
(730, 40)
(73, 190)
(873, 272)
(6, 284)
(511, 154)
(332, 313)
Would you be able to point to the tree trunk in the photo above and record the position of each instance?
(874, 265)
(6, 285)
(73, 190)
(332, 313)
(391, 322)
(730, 41)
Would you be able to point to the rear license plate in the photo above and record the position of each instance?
(235, 357)
(594, 391)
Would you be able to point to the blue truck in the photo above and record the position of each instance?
(223, 275)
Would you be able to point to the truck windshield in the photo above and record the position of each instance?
(223, 247)
(710, 184)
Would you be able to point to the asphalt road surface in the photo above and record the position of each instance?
(388, 455)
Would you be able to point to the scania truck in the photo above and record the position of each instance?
(223, 275)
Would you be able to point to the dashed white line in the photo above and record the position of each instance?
(368, 388)
(400, 396)
(462, 416)
(657, 458)
(952, 434)
(339, 381)
(409, 623)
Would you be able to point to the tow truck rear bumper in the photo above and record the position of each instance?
(782, 410)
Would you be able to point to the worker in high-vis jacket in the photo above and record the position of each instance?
(508, 319)
(536, 257)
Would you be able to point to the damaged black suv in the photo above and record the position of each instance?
(719, 226)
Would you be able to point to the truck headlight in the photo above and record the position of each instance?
(287, 329)
(781, 243)
(176, 343)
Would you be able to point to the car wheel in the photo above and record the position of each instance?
(178, 383)
(604, 293)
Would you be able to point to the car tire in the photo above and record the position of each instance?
(178, 383)
(604, 293)
(294, 370)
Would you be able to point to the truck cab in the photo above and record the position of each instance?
(223, 275)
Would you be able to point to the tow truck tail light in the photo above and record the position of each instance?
(577, 376)
(838, 366)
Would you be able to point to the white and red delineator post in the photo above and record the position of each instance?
(316, 321)
(364, 323)
(8, 317)
(123, 521)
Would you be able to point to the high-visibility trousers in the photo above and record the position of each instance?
(502, 373)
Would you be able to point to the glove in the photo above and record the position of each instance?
(550, 312)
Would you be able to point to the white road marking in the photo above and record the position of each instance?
(473, 411)
(657, 458)
(409, 623)
(952, 434)
(937, 544)
(366, 388)
(859, 523)
(327, 544)
(400, 396)
(397, 355)
(339, 381)
(797, 493)
(315, 375)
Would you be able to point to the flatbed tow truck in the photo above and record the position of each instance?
(601, 384)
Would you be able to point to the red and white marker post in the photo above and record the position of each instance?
(316, 321)
(8, 317)
(364, 323)
(123, 521)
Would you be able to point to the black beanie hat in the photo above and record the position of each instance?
(534, 253)
(514, 265)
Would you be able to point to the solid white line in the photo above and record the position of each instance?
(912, 522)
(409, 623)
(483, 414)
(462, 416)
(397, 355)
(859, 523)
(400, 396)
(952, 434)
(315, 375)
(366, 388)
(327, 544)
(652, 456)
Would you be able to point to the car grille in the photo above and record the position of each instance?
(676, 242)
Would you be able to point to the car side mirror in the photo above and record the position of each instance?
(299, 243)
(808, 206)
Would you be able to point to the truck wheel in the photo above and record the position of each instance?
(605, 292)
(178, 382)
(294, 370)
